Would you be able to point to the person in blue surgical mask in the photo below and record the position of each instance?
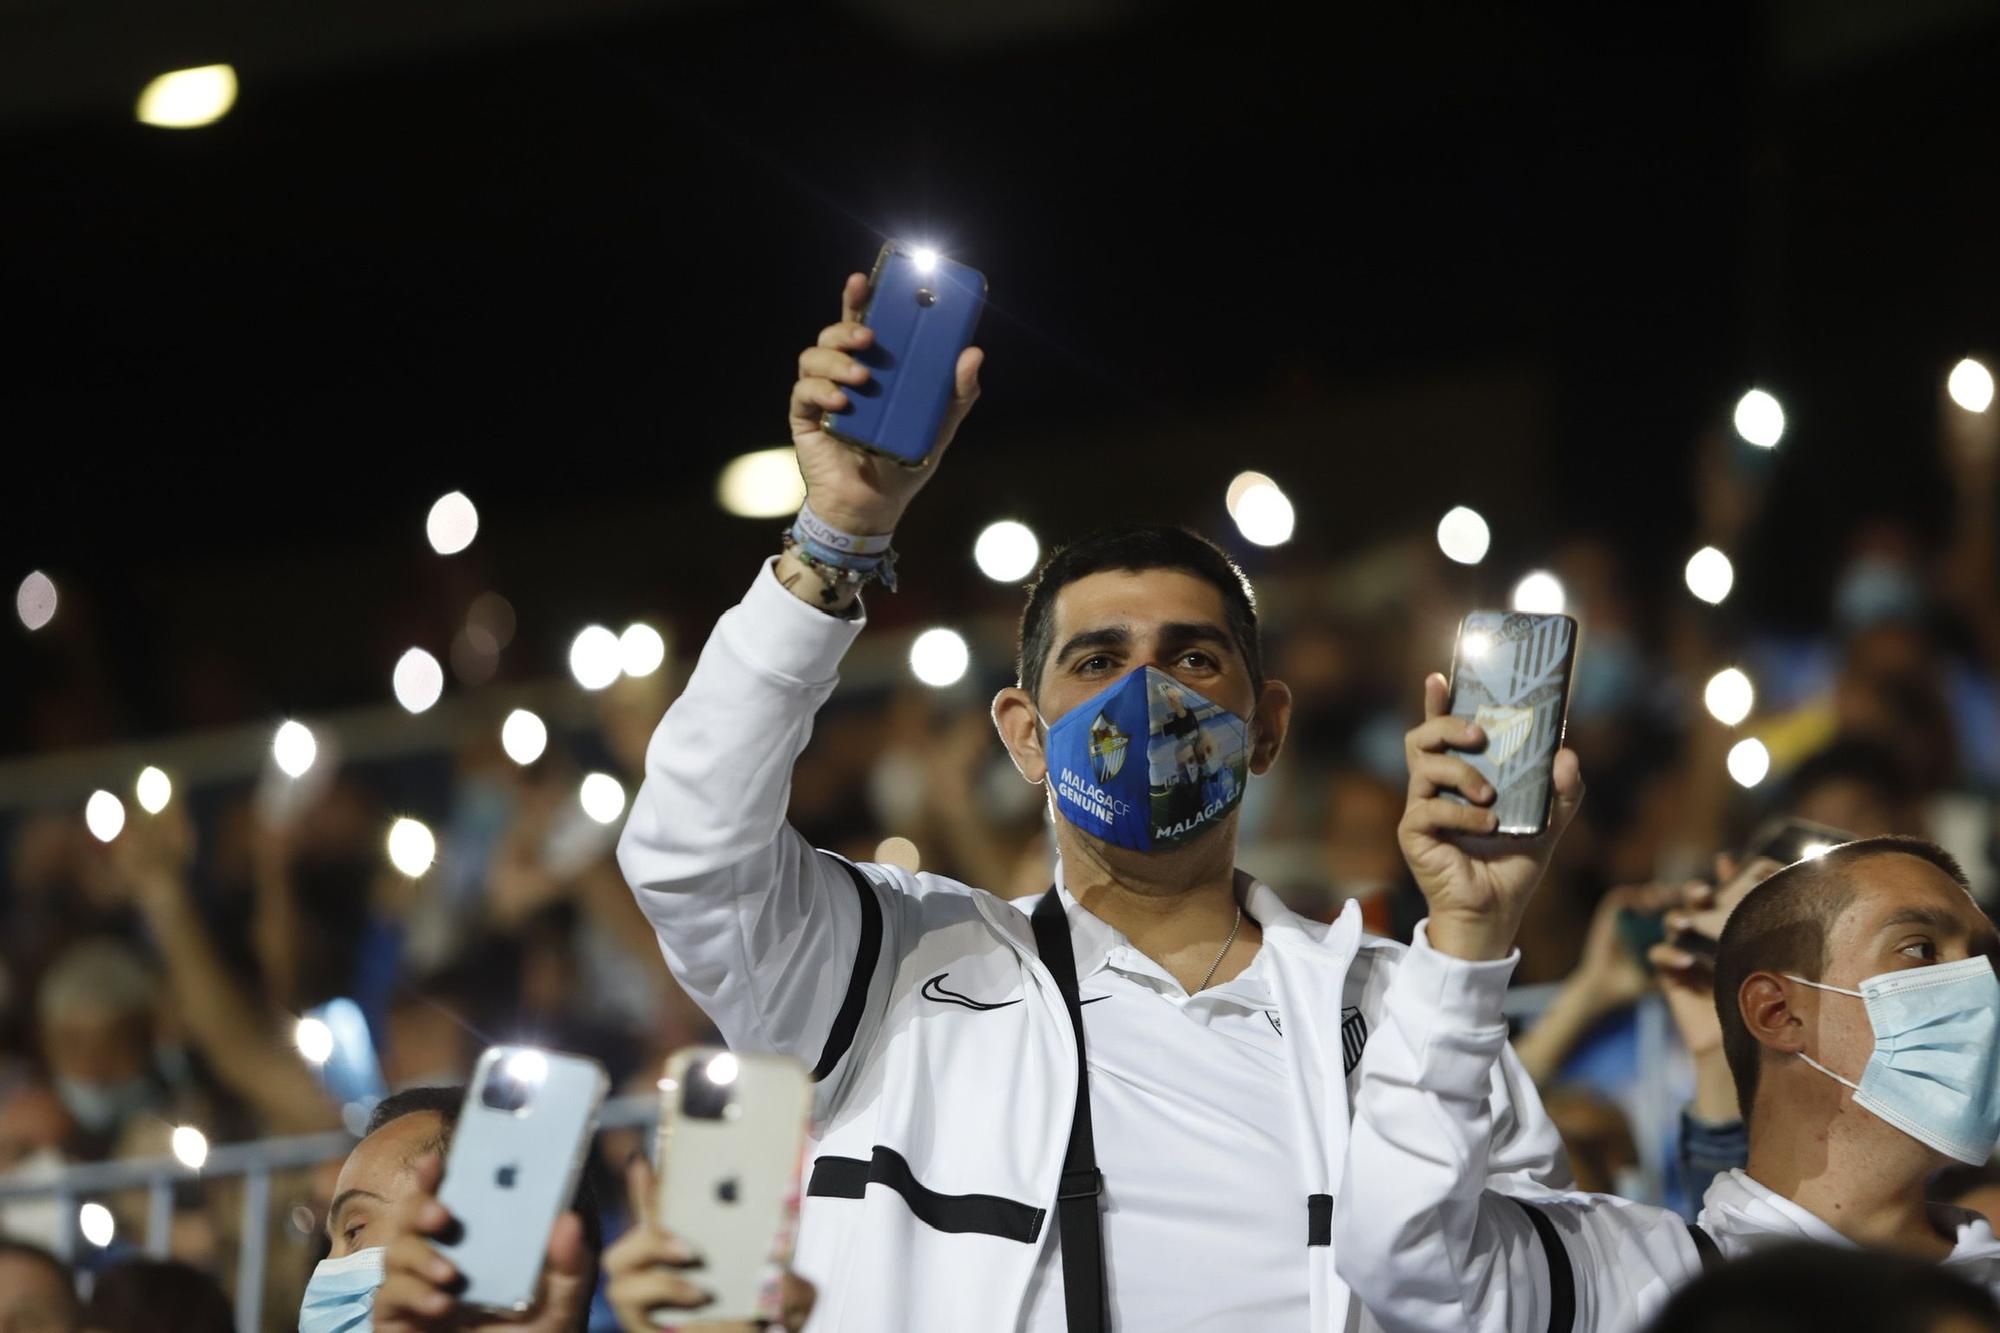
(390, 1173)
(1860, 1016)
(1121, 1102)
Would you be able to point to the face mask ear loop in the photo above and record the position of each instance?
(1837, 990)
(1828, 1072)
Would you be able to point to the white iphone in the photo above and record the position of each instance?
(514, 1162)
(732, 1131)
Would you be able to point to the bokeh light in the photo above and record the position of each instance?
(1710, 576)
(186, 99)
(595, 658)
(452, 524)
(1729, 696)
(104, 815)
(1759, 419)
(939, 657)
(154, 789)
(294, 748)
(1749, 762)
(412, 847)
(603, 797)
(35, 600)
(1463, 535)
(418, 680)
(1540, 593)
(1007, 551)
(763, 484)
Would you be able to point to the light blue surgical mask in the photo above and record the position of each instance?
(340, 1297)
(1935, 1070)
(102, 1107)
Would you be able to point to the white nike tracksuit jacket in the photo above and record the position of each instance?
(1430, 1250)
(940, 1128)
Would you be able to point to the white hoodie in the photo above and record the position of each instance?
(1428, 1246)
(940, 1130)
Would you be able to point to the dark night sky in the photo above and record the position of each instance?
(568, 273)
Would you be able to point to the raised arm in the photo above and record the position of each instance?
(1417, 1234)
(769, 936)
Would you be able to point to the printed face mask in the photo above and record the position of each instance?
(1148, 763)
(1935, 1070)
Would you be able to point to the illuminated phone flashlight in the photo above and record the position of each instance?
(722, 1070)
(1478, 643)
(925, 258)
(526, 1066)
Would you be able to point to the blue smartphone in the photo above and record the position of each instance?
(923, 309)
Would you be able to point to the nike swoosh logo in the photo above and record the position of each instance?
(934, 990)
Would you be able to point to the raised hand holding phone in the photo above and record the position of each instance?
(857, 490)
(420, 1289)
(732, 1132)
(1476, 883)
(653, 1278)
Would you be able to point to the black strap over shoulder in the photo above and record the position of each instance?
(1704, 1245)
(1080, 1227)
(1562, 1278)
(869, 949)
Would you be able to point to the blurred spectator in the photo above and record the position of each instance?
(36, 1293)
(97, 1012)
(1814, 1288)
(152, 1296)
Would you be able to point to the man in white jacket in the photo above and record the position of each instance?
(1861, 1016)
(1127, 1110)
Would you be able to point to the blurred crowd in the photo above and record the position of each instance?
(157, 980)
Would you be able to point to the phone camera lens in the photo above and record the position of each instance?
(505, 1092)
(703, 1098)
(926, 297)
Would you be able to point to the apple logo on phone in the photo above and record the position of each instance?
(504, 1177)
(725, 1190)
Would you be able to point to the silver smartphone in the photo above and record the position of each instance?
(514, 1162)
(732, 1132)
(1510, 674)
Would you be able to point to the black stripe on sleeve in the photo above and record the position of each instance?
(848, 1021)
(1562, 1279)
(985, 1214)
(1319, 1219)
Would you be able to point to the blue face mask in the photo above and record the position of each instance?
(340, 1297)
(1148, 764)
(1935, 1070)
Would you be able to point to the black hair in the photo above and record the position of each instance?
(1134, 547)
(10, 1248)
(1782, 926)
(445, 1104)
(1810, 1288)
(441, 1102)
(157, 1296)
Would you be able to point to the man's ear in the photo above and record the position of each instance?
(1766, 1005)
(1015, 719)
(1269, 724)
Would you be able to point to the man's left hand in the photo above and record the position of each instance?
(1476, 882)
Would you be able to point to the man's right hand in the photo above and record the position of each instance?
(856, 491)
